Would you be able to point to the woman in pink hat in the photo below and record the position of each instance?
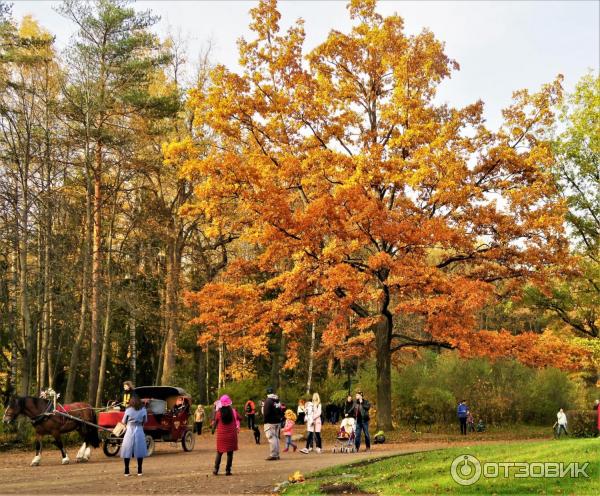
(227, 425)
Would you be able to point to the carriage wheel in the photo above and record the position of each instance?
(110, 449)
(149, 444)
(187, 441)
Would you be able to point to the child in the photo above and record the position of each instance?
(288, 430)
(227, 425)
(470, 421)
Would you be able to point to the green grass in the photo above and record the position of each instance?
(429, 472)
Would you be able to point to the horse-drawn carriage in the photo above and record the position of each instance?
(168, 412)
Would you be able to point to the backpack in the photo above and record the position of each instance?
(249, 407)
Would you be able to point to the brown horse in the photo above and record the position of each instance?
(46, 421)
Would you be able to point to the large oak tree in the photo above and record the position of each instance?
(370, 201)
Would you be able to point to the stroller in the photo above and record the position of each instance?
(346, 437)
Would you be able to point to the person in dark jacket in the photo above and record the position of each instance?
(250, 411)
(462, 413)
(360, 412)
(348, 406)
(227, 425)
(272, 415)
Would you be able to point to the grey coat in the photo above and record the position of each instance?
(134, 442)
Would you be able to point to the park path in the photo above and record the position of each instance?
(172, 471)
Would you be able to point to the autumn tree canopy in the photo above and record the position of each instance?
(575, 298)
(368, 199)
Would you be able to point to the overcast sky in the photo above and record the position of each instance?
(501, 46)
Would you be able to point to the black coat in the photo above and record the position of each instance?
(272, 410)
(362, 409)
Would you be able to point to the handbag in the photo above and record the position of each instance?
(119, 429)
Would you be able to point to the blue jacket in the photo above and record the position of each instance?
(461, 411)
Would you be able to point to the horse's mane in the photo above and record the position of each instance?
(21, 400)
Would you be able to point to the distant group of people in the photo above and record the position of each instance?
(466, 420)
(226, 422)
(559, 428)
(278, 420)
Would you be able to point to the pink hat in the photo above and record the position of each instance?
(225, 400)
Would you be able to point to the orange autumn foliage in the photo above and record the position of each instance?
(366, 199)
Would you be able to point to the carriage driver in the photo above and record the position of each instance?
(128, 388)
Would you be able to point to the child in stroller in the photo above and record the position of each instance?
(346, 436)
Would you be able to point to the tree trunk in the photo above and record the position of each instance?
(46, 304)
(96, 276)
(383, 333)
(163, 333)
(107, 313)
(50, 358)
(311, 357)
(87, 241)
(14, 347)
(47, 237)
(207, 384)
(221, 381)
(330, 364)
(132, 348)
(200, 374)
(276, 359)
(27, 368)
(105, 346)
(172, 306)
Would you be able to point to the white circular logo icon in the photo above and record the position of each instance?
(466, 470)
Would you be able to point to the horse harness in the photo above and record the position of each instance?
(42, 417)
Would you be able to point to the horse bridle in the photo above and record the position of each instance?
(20, 405)
(38, 419)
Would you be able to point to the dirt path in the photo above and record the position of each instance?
(172, 471)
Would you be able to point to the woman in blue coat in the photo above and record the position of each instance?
(134, 442)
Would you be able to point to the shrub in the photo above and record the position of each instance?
(498, 392)
(582, 423)
(549, 391)
(242, 391)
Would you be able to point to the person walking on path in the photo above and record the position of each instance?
(313, 424)
(271, 411)
(288, 430)
(349, 406)
(227, 425)
(250, 412)
(301, 412)
(461, 412)
(561, 423)
(198, 419)
(134, 441)
(470, 421)
(360, 412)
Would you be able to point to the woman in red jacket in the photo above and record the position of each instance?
(227, 425)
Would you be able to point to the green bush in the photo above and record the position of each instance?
(498, 392)
(242, 391)
(582, 423)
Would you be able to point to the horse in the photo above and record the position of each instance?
(46, 421)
